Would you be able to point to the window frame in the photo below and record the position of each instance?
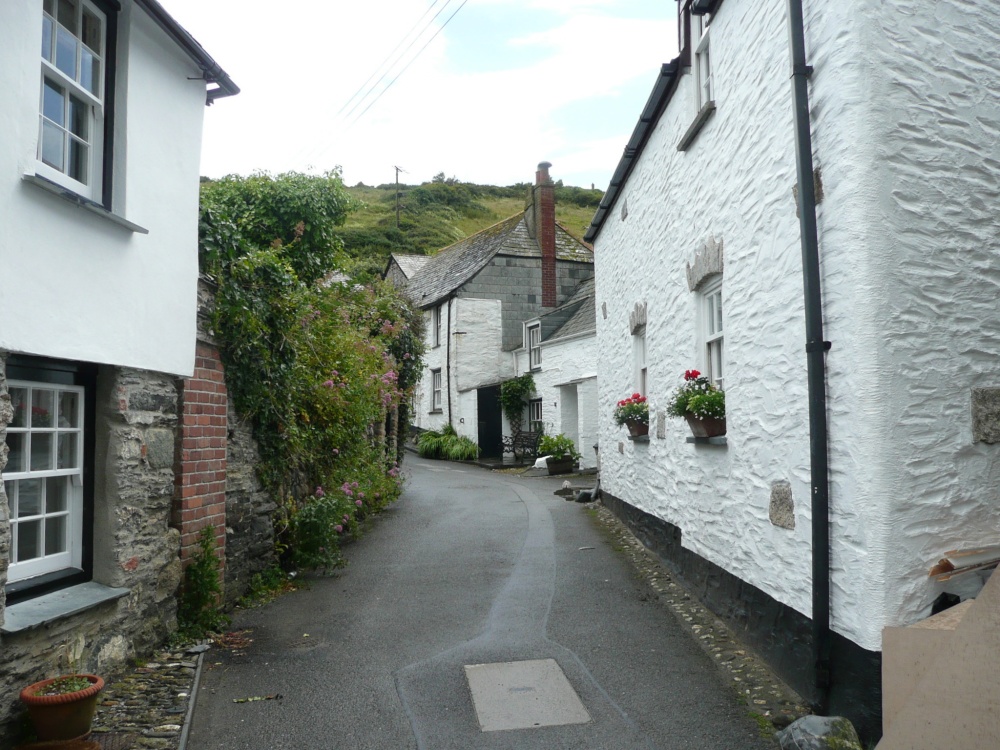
(535, 415)
(711, 325)
(640, 369)
(436, 326)
(701, 61)
(436, 400)
(97, 185)
(37, 579)
(533, 335)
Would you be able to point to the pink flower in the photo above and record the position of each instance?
(328, 384)
(346, 518)
(361, 494)
(358, 503)
(338, 528)
(336, 451)
(319, 492)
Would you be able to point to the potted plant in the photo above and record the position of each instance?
(62, 708)
(701, 404)
(560, 451)
(633, 412)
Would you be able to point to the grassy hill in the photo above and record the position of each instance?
(436, 214)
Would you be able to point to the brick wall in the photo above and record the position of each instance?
(201, 471)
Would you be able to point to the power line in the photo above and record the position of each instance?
(412, 60)
(398, 45)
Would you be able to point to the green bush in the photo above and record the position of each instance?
(198, 612)
(446, 443)
(558, 447)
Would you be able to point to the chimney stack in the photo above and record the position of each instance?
(545, 231)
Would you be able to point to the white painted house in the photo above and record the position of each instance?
(100, 141)
(483, 299)
(699, 264)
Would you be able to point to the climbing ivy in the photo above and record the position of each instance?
(514, 395)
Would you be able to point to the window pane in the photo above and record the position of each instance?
(29, 498)
(69, 409)
(66, 52)
(28, 540)
(42, 407)
(67, 14)
(18, 398)
(54, 103)
(15, 459)
(90, 73)
(67, 450)
(49, 6)
(52, 145)
(46, 38)
(78, 155)
(718, 312)
(55, 494)
(55, 535)
(92, 31)
(41, 451)
(79, 118)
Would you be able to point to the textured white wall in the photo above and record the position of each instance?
(73, 284)
(563, 362)
(905, 122)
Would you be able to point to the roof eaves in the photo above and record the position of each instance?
(213, 72)
(662, 92)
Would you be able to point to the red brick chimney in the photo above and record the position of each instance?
(545, 231)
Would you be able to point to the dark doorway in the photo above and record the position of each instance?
(490, 422)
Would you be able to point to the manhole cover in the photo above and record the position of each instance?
(523, 695)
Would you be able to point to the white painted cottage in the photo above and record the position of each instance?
(485, 299)
(100, 141)
(700, 246)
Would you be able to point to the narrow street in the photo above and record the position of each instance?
(470, 568)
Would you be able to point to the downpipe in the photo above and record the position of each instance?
(816, 348)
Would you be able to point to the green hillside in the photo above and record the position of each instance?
(438, 213)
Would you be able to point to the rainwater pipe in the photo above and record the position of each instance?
(447, 362)
(816, 348)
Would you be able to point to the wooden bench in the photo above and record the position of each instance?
(522, 444)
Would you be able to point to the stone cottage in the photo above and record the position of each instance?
(861, 412)
(109, 407)
(478, 296)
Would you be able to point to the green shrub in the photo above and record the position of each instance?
(198, 612)
(558, 447)
(446, 444)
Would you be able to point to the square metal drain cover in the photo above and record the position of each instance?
(523, 695)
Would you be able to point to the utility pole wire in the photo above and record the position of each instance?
(389, 85)
(398, 45)
(400, 57)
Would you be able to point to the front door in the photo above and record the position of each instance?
(490, 422)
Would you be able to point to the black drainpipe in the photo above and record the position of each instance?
(447, 362)
(816, 349)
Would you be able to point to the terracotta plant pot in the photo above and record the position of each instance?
(636, 428)
(559, 465)
(708, 427)
(66, 716)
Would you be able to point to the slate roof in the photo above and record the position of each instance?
(410, 265)
(580, 311)
(456, 264)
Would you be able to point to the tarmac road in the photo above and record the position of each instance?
(468, 567)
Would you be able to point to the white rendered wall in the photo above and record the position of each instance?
(435, 357)
(905, 123)
(74, 285)
(569, 362)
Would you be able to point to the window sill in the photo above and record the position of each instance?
(703, 116)
(94, 207)
(436, 411)
(638, 438)
(721, 440)
(57, 606)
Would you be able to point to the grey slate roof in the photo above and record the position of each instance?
(456, 264)
(579, 313)
(410, 265)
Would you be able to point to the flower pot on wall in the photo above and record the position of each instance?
(64, 716)
(707, 427)
(637, 428)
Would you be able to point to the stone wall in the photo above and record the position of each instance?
(134, 546)
(249, 528)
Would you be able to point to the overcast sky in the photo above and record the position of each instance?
(504, 85)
